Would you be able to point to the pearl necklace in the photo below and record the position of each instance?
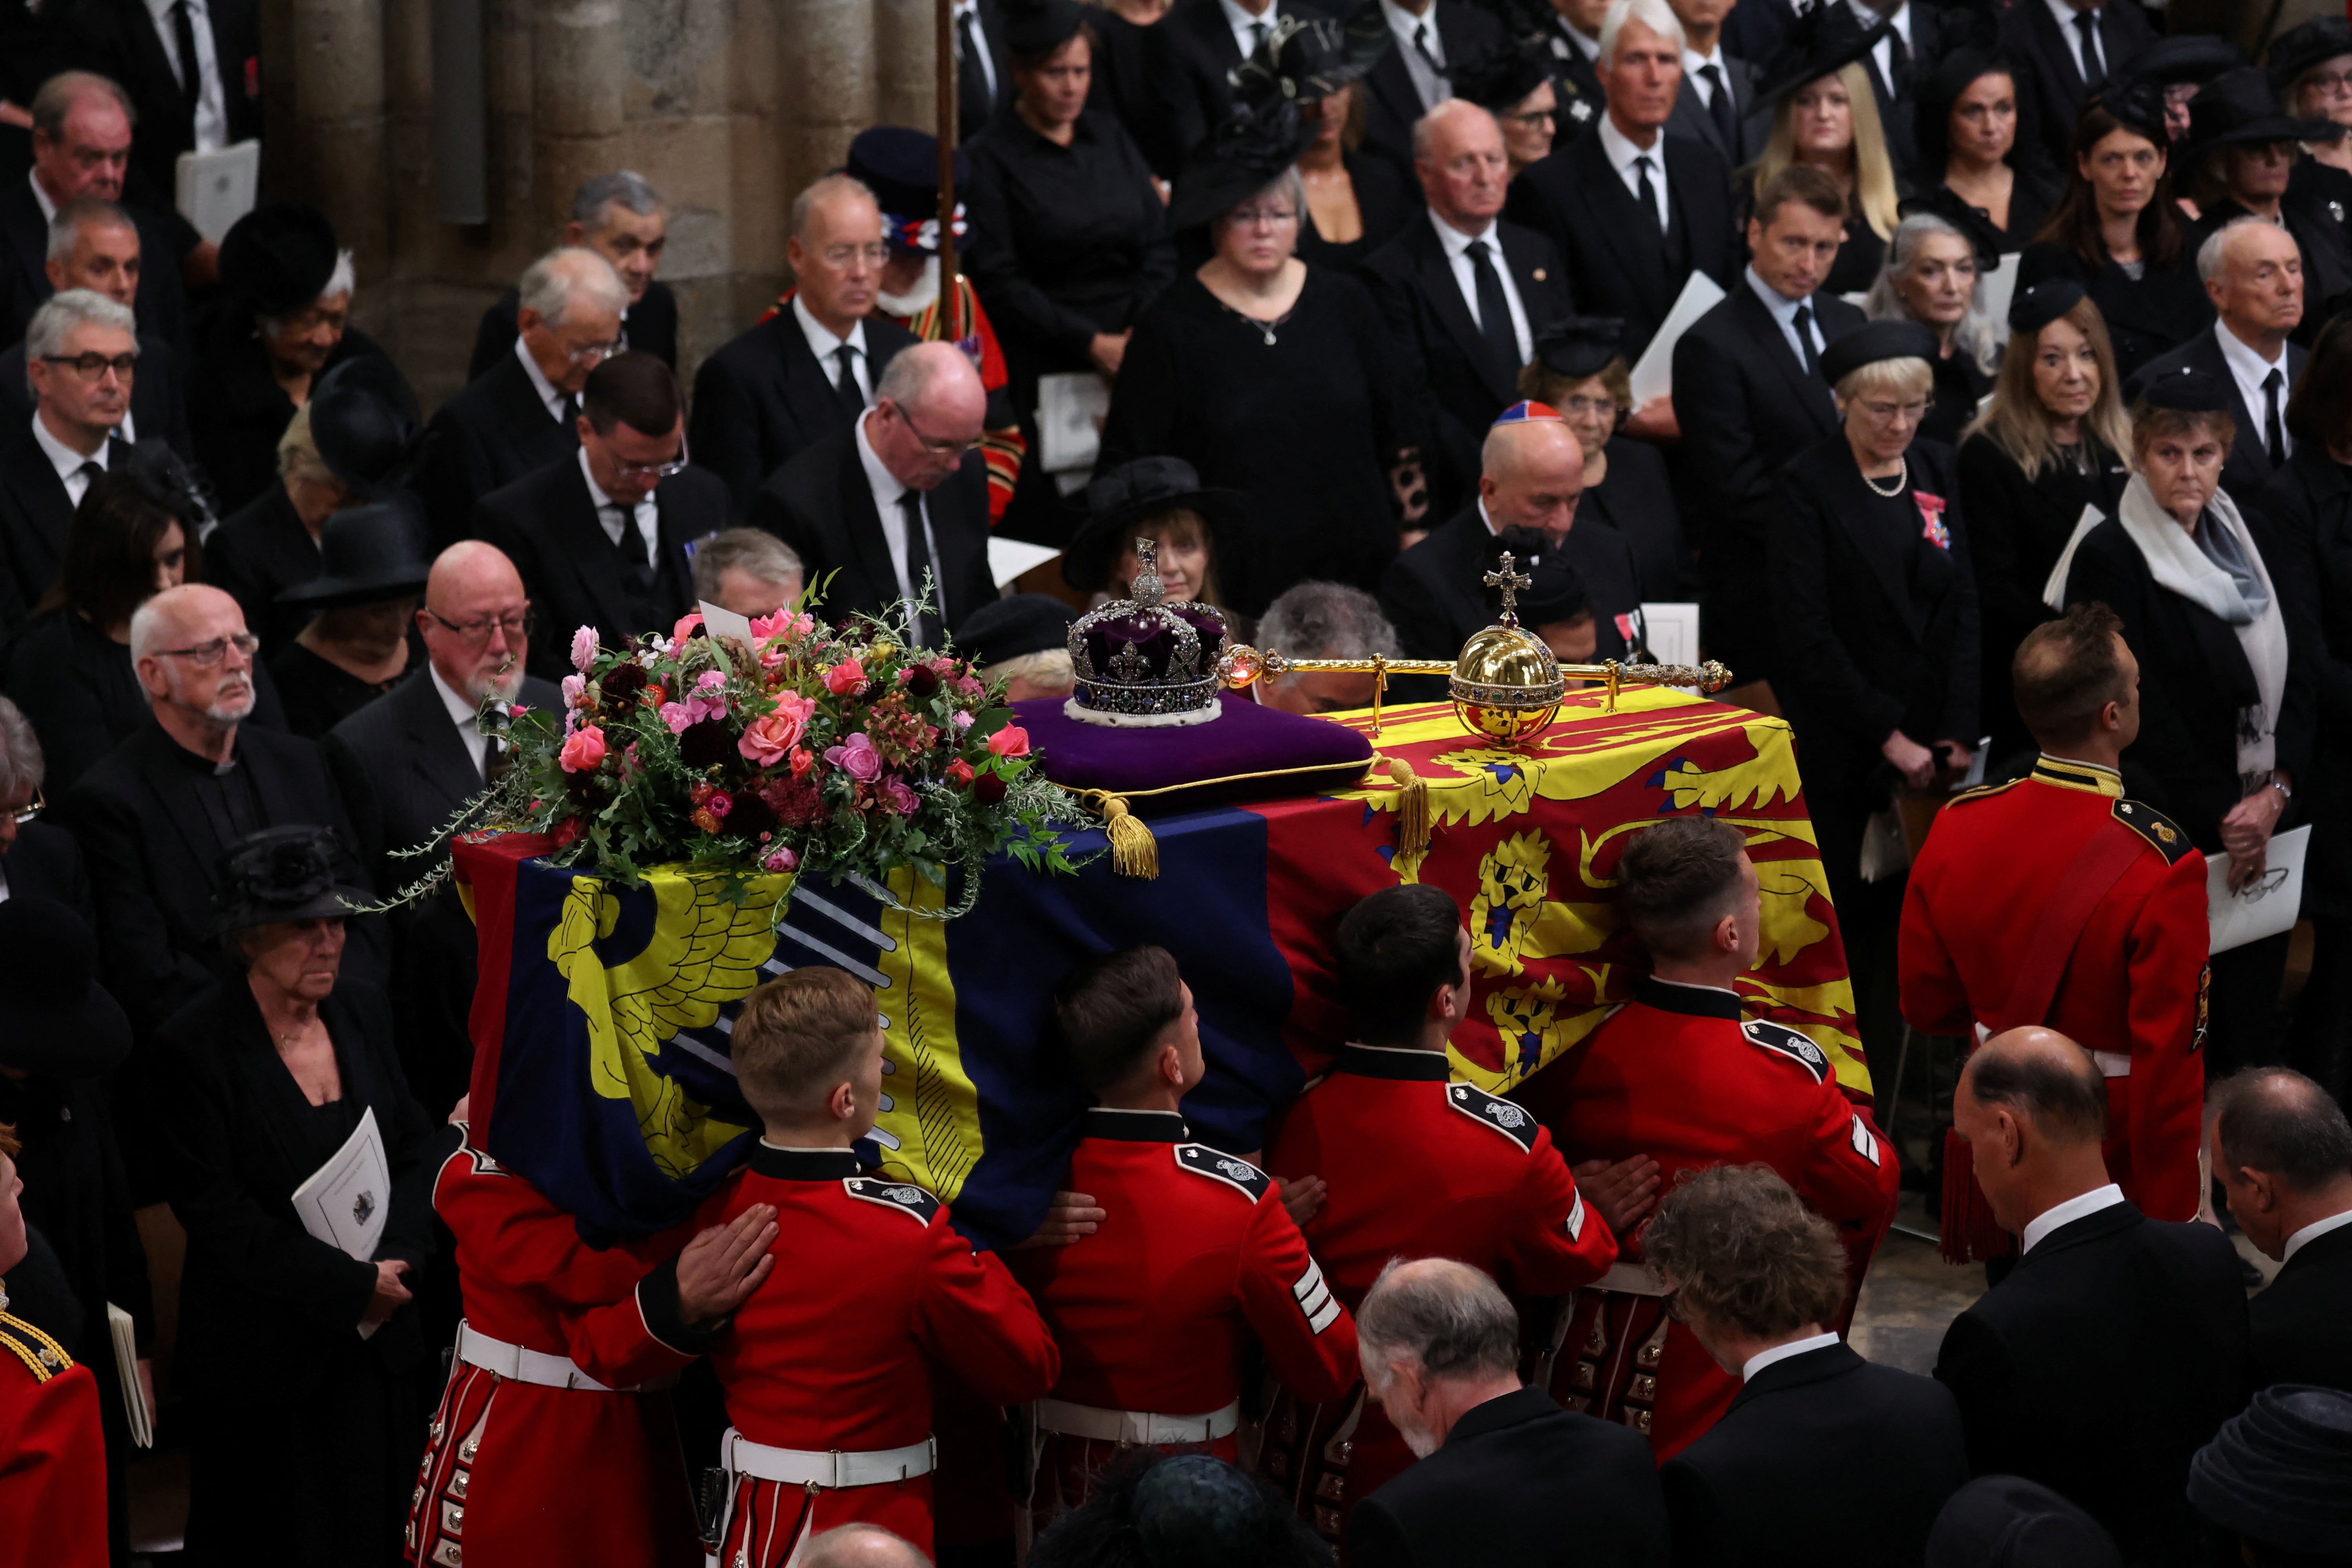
(1902, 479)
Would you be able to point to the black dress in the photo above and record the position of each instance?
(318, 693)
(236, 410)
(2160, 309)
(1859, 260)
(1306, 428)
(1383, 200)
(2032, 197)
(1637, 499)
(259, 550)
(1959, 387)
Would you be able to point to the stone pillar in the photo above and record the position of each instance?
(906, 37)
(579, 90)
(335, 154)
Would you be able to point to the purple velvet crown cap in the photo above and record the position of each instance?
(1155, 641)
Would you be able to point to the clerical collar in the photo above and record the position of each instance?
(1690, 1001)
(2067, 774)
(1135, 1126)
(1403, 1064)
(804, 1164)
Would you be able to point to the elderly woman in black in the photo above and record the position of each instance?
(1580, 372)
(2225, 712)
(302, 1362)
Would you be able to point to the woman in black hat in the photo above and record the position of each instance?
(1579, 372)
(1355, 202)
(2052, 441)
(2225, 702)
(303, 1365)
(1971, 125)
(1512, 81)
(2241, 157)
(1164, 501)
(361, 611)
(1825, 113)
(2117, 231)
(283, 320)
(2311, 71)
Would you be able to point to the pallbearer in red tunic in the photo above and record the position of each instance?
(1414, 1165)
(1194, 1256)
(52, 1451)
(1679, 1075)
(827, 1369)
(2052, 900)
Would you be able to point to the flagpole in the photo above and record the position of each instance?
(947, 128)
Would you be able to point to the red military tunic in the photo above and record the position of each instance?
(1194, 1256)
(1417, 1166)
(511, 1462)
(52, 1454)
(1675, 1074)
(2132, 990)
(833, 1352)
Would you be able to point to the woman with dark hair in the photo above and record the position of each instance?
(1355, 202)
(1969, 125)
(359, 614)
(2117, 231)
(270, 1074)
(1579, 371)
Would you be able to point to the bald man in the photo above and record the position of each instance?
(407, 761)
(2116, 1346)
(861, 1546)
(894, 499)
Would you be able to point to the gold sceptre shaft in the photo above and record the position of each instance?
(1240, 665)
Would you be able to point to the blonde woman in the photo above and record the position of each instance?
(1830, 121)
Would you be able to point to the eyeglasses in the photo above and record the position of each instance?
(94, 366)
(934, 445)
(656, 471)
(206, 655)
(2332, 83)
(1899, 410)
(1589, 407)
(516, 627)
(1264, 217)
(597, 351)
(31, 809)
(876, 255)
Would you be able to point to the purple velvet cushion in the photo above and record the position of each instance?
(1252, 752)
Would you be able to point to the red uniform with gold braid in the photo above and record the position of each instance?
(52, 1454)
(826, 1370)
(1195, 1255)
(2004, 870)
(543, 1410)
(1677, 1075)
(1418, 1166)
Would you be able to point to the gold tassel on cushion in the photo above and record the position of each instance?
(1133, 851)
(1413, 808)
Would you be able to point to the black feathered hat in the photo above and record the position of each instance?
(1497, 77)
(282, 874)
(277, 258)
(2303, 48)
(1821, 42)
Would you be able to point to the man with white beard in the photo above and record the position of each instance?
(407, 761)
(1504, 1474)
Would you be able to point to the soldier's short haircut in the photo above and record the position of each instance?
(2276, 1120)
(2066, 670)
(1676, 880)
(1743, 1250)
(2060, 1092)
(1451, 1318)
(1110, 1012)
(799, 1035)
(1395, 948)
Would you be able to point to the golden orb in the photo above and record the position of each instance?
(1507, 686)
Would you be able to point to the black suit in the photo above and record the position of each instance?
(36, 511)
(2053, 63)
(577, 576)
(2249, 467)
(1189, 54)
(974, 104)
(1637, 499)
(2302, 1321)
(1617, 263)
(821, 505)
(46, 863)
(159, 394)
(1694, 119)
(1462, 381)
(491, 434)
(763, 398)
(162, 302)
(1746, 1493)
(1518, 1480)
(2111, 1353)
(1935, 33)
(1391, 105)
(117, 38)
(1748, 406)
(650, 326)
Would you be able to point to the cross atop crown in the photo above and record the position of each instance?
(1510, 582)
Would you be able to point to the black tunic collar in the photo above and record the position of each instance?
(1402, 1064)
(1690, 1001)
(1135, 1126)
(804, 1164)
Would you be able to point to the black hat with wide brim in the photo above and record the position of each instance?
(277, 258)
(366, 554)
(1034, 27)
(363, 422)
(1249, 149)
(2187, 58)
(282, 874)
(1131, 494)
(1822, 42)
(55, 1017)
(1497, 77)
(2304, 47)
(2238, 108)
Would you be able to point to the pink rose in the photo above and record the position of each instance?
(685, 624)
(584, 649)
(1013, 741)
(584, 751)
(899, 797)
(801, 763)
(573, 685)
(781, 860)
(769, 738)
(678, 716)
(857, 758)
(847, 678)
(959, 772)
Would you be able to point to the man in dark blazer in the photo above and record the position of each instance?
(522, 415)
(983, 68)
(1918, 37)
(94, 245)
(1409, 80)
(1622, 259)
(2283, 1150)
(1717, 102)
(48, 466)
(1744, 1492)
(2063, 79)
(211, 102)
(1506, 1476)
(1748, 400)
(1465, 295)
(620, 217)
(811, 366)
(897, 494)
(2116, 1346)
(1573, 34)
(602, 537)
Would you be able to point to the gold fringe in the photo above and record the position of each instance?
(1133, 851)
(1413, 808)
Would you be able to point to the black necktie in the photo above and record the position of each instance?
(976, 103)
(2095, 69)
(1436, 71)
(919, 562)
(1898, 63)
(1257, 38)
(1494, 309)
(844, 385)
(1805, 340)
(1720, 108)
(571, 415)
(89, 472)
(632, 542)
(1648, 194)
(2274, 438)
(184, 38)
(495, 759)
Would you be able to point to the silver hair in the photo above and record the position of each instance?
(21, 764)
(2210, 255)
(146, 622)
(805, 203)
(1452, 1318)
(1979, 335)
(55, 98)
(65, 229)
(44, 334)
(751, 549)
(560, 280)
(1290, 183)
(622, 187)
(911, 370)
(1326, 620)
(1654, 14)
(1424, 130)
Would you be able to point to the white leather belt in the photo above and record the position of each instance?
(1136, 1425)
(517, 1364)
(2112, 1064)
(1631, 1280)
(831, 1471)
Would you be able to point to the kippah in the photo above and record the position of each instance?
(2281, 1474)
(1527, 411)
(1875, 340)
(2185, 390)
(1581, 346)
(2043, 304)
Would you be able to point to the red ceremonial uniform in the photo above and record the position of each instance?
(1677, 1075)
(528, 1464)
(1999, 866)
(830, 1358)
(52, 1454)
(1195, 1254)
(1417, 1166)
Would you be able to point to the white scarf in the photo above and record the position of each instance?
(2179, 566)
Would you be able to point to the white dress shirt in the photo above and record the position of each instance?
(461, 714)
(1583, 44)
(1620, 152)
(1784, 312)
(1456, 246)
(1248, 26)
(1882, 53)
(1763, 1359)
(558, 403)
(2247, 368)
(212, 106)
(2072, 32)
(822, 343)
(2067, 1212)
(67, 461)
(887, 489)
(1694, 62)
(980, 37)
(2313, 1231)
(1432, 88)
(48, 208)
(645, 514)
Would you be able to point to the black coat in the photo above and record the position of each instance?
(1461, 384)
(162, 302)
(1518, 1480)
(36, 514)
(1575, 85)
(46, 863)
(548, 526)
(2108, 1355)
(2304, 519)
(1693, 121)
(2053, 63)
(490, 435)
(820, 504)
(649, 326)
(2301, 1321)
(763, 398)
(2144, 316)
(1637, 501)
(1616, 265)
(237, 411)
(1125, 86)
(117, 38)
(1745, 1493)
(1390, 104)
(159, 394)
(975, 106)
(2248, 468)
(259, 550)
(1935, 33)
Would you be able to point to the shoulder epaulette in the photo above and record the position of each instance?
(1982, 792)
(2155, 828)
(1219, 1166)
(42, 1356)
(1784, 1041)
(903, 1196)
(1499, 1115)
